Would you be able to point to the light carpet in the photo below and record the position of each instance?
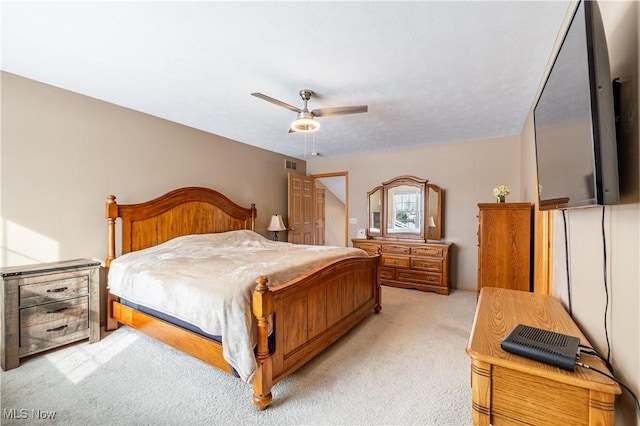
(404, 366)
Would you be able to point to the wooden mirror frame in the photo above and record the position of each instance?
(430, 205)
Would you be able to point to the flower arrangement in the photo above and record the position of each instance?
(500, 192)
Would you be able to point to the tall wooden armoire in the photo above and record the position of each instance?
(504, 245)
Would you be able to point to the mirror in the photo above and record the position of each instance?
(375, 212)
(404, 210)
(434, 218)
(405, 207)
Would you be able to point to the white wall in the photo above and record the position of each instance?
(466, 171)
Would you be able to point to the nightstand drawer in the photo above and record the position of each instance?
(426, 264)
(47, 305)
(398, 262)
(52, 324)
(42, 291)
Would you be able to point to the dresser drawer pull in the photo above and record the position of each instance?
(57, 290)
(62, 327)
(426, 265)
(395, 262)
(53, 311)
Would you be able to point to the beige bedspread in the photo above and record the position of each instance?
(207, 280)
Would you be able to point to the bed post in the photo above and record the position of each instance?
(111, 213)
(262, 309)
(253, 217)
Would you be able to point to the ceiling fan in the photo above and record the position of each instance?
(305, 120)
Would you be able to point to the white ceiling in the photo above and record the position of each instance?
(430, 72)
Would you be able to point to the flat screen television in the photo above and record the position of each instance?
(575, 132)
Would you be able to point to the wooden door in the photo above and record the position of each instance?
(319, 217)
(300, 211)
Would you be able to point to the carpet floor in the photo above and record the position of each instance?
(404, 366)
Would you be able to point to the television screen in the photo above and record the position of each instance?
(576, 153)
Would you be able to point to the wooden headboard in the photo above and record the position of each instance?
(183, 211)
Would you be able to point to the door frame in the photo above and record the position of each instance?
(346, 199)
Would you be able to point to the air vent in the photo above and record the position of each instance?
(290, 165)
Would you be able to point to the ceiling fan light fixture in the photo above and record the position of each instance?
(305, 125)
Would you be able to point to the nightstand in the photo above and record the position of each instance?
(48, 305)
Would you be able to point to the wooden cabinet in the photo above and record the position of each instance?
(504, 246)
(508, 389)
(423, 266)
(48, 305)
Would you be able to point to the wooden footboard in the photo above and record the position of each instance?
(309, 314)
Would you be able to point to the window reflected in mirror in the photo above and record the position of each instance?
(405, 212)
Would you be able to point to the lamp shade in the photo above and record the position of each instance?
(276, 224)
(432, 223)
(305, 125)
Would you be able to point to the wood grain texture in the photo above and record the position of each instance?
(184, 211)
(48, 305)
(411, 264)
(504, 245)
(524, 391)
(309, 312)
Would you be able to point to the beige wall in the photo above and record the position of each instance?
(334, 211)
(621, 225)
(466, 171)
(63, 153)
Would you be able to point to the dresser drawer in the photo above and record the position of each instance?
(396, 249)
(418, 277)
(385, 273)
(53, 289)
(396, 261)
(433, 265)
(52, 324)
(427, 251)
(369, 248)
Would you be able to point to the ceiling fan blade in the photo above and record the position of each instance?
(276, 102)
(326, 112)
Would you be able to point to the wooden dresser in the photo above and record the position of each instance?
(409, 264)
(47, 305)
(508, 389)
(504, 245)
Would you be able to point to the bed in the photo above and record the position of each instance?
(292, 319)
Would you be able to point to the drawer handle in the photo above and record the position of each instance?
(53, 311)
(395, 262)
(404, 275)
(426, 265)
(57, 290)
(62, 327)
